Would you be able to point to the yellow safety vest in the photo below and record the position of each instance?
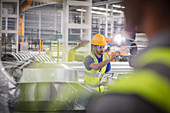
(93, 77)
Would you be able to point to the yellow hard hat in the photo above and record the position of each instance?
(99, 39)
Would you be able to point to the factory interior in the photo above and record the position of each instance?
(43, 46)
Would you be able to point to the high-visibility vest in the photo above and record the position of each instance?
(93, 77)
(152, 80)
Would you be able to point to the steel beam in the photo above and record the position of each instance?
(65, 31)
(103, 3)
(25, 5)
(106, 26)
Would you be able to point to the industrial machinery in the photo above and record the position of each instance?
(7, 45)
(140, 42)
(39, 84)
(51, 88)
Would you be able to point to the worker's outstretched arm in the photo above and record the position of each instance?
(102, 64)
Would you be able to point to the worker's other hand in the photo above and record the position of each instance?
(103, 83)
(115, 55)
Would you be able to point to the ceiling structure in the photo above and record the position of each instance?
(96, 3)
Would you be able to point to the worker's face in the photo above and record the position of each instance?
(100, 50)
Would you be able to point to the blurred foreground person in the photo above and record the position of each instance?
(148, 88)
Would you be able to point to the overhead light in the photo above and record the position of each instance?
(104, 9)
(118, 6)
(101, 9)
(95, 12)
(100, 13)
(117, 11)
(82, 10)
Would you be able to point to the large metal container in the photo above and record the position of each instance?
(44, 88)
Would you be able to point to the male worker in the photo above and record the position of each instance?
(97, 63)
(148, 89)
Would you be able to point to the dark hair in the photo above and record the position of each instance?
(161, 8)
(135, 11)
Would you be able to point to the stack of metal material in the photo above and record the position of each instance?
(45, 86)
(25, 56)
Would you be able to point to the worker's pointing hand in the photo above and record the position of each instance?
(115, 55)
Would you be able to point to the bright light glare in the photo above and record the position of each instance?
(119, 39)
